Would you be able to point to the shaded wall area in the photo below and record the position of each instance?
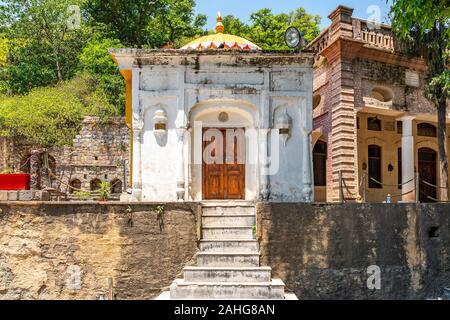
(323, 251)
(71, 250)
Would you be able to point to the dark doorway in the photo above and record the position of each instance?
(428, 175)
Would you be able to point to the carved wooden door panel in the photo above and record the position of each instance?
(223, 164)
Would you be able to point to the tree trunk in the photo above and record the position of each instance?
(58, 70)
(35, 165)
(442, 141)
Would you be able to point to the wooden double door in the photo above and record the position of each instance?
(223, 167)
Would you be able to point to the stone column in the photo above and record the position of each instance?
(264, 164)
(307, 160)
(137, 160)
(35, 165)
(181, 180)
(408, 159)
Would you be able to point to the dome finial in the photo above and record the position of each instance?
(219, 25)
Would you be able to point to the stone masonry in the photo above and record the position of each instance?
(100, 151)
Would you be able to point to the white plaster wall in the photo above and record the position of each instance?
(159, 156)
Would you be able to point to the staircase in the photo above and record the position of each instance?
(228, 261)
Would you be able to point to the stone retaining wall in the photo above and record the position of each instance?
(323, 251)
(71, 250)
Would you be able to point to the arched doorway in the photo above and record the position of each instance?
(75, 186)
(320, 171)
(428, 174)
(95, 185)
(116, 186)
(223, 150)
(223, 168)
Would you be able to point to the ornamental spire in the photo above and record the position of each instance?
(219, 25)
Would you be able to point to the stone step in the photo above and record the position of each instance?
(228, 211)
(183, 290)
(235, 220)
(227, 259)
(227, 203)
(227, 232)
(218, 274)
(233, 245)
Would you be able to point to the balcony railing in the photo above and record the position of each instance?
(379, 36)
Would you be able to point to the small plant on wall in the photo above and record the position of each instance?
(104, 191)
(159, 216)
(9, 170)
(82, 195)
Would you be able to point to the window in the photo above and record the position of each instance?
(116, 186)
(374, 124)
(316, 101)
(400, 127)
(75, 184)
(320, 163)
(426, 130)
(382, 94)
(399, 167)
(375, 166)
(95, 184)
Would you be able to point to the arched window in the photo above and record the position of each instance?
(426, 130)
(316, 100)
(320, 163)
(373, 124)
(374, 153)
(95, 184)
(382, 94)
(116, 186)
(75, 183)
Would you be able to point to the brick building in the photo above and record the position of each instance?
(372, 123)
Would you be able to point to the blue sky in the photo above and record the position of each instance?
(243, 8)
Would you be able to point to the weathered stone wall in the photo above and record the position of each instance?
(323, 251)
(99, 151)
(43, 245)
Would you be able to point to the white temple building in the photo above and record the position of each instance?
(219, 119)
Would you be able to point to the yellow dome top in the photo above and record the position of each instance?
(220, 40)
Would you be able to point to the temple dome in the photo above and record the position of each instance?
(220, 40)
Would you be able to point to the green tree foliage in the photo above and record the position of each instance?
(96, 61)
(46, 117)
(4, 47)
(267, 29)
(52, 116)
(43, 42)
(144, 23)
(233, 25)
(424, 25)
(123, 19)
(4, 44)
(174, 23)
